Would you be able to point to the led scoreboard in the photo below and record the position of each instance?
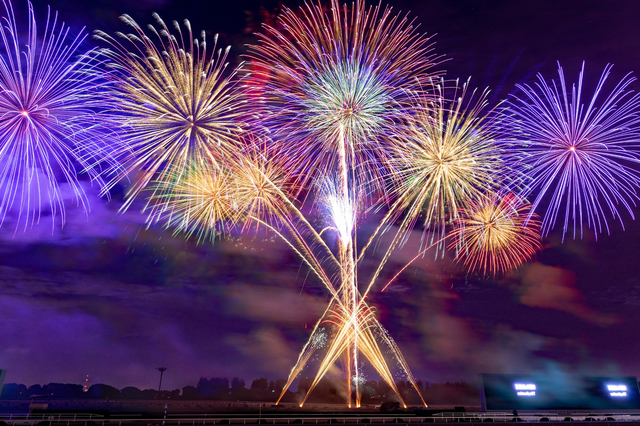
(544, 392)
(525, 389)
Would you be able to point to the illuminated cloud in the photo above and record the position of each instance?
(275, 304)
(101, 221)
(551, 287)
(266, 348)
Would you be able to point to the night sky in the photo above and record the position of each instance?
(108, 297)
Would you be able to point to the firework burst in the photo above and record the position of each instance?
(450, 156)
(202, 200)
(262, 192)
(208, 199)
(338, 75)
(579, 160)
(496, 234)
(174, 100)
(50, 128)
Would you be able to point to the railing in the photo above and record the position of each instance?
(89, 419)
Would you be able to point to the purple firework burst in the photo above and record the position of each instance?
(50, 130)
(578, 160)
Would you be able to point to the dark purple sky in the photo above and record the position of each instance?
(107, 297)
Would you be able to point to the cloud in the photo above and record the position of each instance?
(266, 349)
(275, 304)
(239, 308)
(100, 220)
(551, 287)
(61, 326)
(70, 324)
(452, 347)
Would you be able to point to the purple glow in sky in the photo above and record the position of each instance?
(107, 297)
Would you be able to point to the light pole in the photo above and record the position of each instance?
(161, 370)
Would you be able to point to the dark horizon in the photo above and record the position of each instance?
(223, 389)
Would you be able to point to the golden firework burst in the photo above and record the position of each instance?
(175, 102)
(496, 234)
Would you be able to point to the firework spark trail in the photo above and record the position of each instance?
(351, 329)
(334, 86)
(265, 201)
(308, 350)
(386, 337)
(174, 101)
(450, 157)
(496, 234)
(50, 123)
(352, 317)
(578, 157)
(365, 333)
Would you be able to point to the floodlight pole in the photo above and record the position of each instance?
(161, 370)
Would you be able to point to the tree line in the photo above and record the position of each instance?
(223, 389)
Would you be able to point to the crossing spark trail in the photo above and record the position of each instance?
(335, 85)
